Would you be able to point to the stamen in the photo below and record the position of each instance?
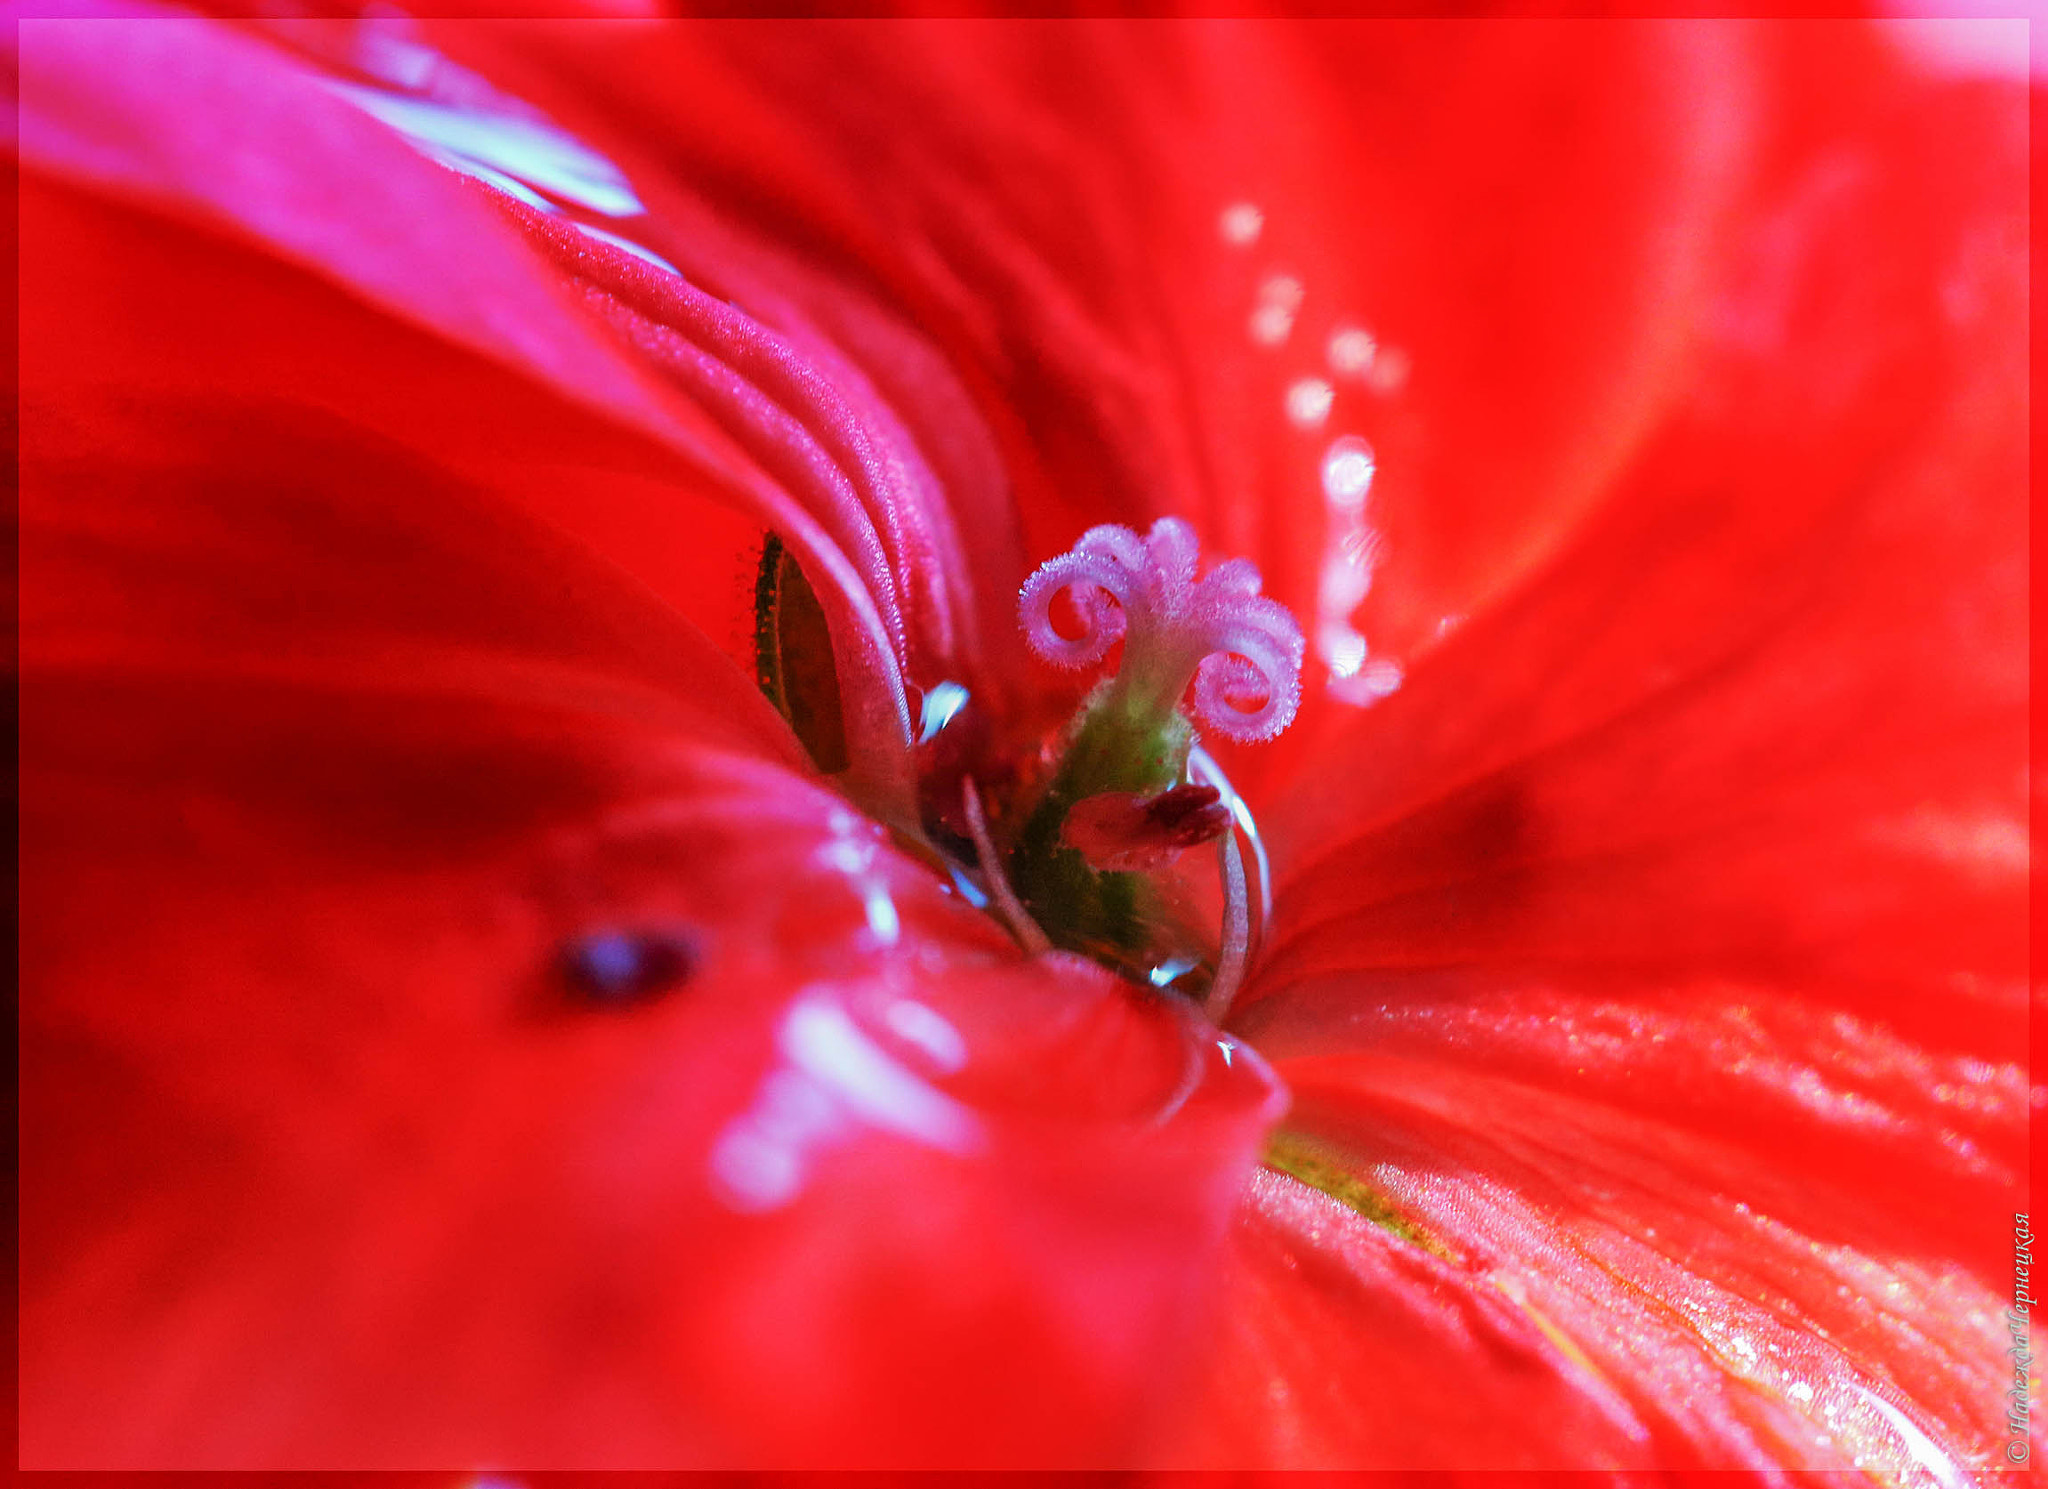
(1236, 934)
(1012, 910)
(1241, 649)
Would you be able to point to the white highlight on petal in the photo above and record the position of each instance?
(1348, 468)
(883, 922)
(1351, 552)
(942, 703)
(1964, 43)
(847, 855)
(1240, 224)
(929, 1032)
(628, 245)
(851, 851)
(1988, 844)
(1308, 402)
(533, 152)
(1343, 651)
(395, 59)
(754, 1172)
(825, 1044)
(1272, 319)
(1923, 1450)
(834, 1080)
(496, 180)
(1377, 679)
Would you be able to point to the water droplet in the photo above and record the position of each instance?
(1283, 290)
(883, 922)
(1375, 680)
(1170, 971)
(1344, 652)
(1270, 324)
(1389, 372)
(1348, 469)
(1308, 402)
(1351, 350)
(1240, 224)
(968, 890)
(621, 968)
(942, 704)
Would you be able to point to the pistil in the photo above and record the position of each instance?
(1119, 805)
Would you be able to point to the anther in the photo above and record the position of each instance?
(1122, 830)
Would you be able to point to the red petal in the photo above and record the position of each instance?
(216, 125)
(1660, 947)
(1343, 1346)
(1063, 245)
(332, 736)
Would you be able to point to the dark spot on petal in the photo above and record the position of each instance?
(624, 968)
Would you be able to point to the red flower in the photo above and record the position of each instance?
(459, 1024)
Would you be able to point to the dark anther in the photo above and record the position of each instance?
(1121, 830)
(621, 968)
(1187, 815)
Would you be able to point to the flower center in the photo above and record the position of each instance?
(1078, 843)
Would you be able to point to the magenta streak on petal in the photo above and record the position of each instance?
(783, 447)
(938, 451)
(762, 427)
(956, 465)
(196, 117)
(261, 145)
(814, 422)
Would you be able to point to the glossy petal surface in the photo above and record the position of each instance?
(331, 744)
(1648, 958)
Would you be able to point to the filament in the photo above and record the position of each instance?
(1012, 910)
(1236, 933)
